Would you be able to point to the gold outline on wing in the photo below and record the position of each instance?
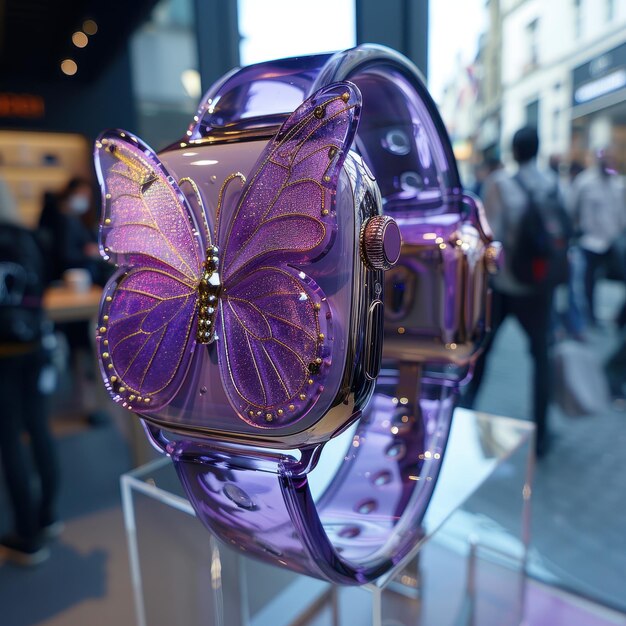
(149, 335)
(143, 168)
(274, 316)
(281, 380)
(229, 273)
(302, 384)
(196, 191)
(280, 143)
(228, 365)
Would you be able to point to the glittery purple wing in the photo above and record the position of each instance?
(286, 210)
(148, 319)
(273, 352)
(275, 331)
(145, 213)
(148, 311)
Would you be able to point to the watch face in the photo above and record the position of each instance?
(232, 308)
(302, 353)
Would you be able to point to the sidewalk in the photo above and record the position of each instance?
(579, 494)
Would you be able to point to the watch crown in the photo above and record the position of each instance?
(380, 242)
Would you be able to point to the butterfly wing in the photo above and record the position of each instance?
(275, 326)
(148, 311)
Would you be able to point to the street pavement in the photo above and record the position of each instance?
(579, 492)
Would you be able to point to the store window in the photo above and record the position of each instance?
(578, 26)
(268, 30)
(532, 35)
(532, 113)
(166, 80)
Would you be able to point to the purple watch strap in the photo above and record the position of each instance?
(401, 134)
(367, 519)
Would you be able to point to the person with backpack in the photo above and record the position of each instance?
(32, 490)
(526, 214)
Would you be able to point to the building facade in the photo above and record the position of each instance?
(563, 69)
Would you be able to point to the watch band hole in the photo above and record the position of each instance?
(397, 142)
(238, 496)
(349, 532)
(381, 478)
(366, 507)
(411, 181)
(396, 450)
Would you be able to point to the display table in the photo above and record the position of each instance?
(468, 567)
(63, 304)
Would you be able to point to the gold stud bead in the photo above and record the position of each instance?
(292, 407)
(103, 329)
(107, 220)
(110, 366)
(321, 336)
(105, 355)
(345, 96)
(302, 396)
(106, 342)
(317, 306)
(105, 318)
(310, 381)
(251, 413)
(269, 417)
(146, 400)
(109, 299)
(279, 412)
(113, 379)
(108, 196)
(122, 389)
(132, 397)
(325, 212)
(327, 179)
(318, 112)
(318, 361)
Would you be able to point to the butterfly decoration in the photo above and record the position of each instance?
(240, 289)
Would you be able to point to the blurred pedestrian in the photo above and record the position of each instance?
(598, 205)
(506, 199)
(32, 490)
(68, 226)
(575, 315)
(68, 221)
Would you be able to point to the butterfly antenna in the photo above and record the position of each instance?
(196, 192)
(220, 198)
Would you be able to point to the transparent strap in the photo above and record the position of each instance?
(370, 515)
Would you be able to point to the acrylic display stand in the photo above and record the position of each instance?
(469, 567)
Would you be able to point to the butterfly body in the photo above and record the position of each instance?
(209, 288)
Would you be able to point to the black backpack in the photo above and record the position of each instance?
(21, 285)
(539, 255)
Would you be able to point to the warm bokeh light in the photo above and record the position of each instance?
(69, 67)
(192, 83)
(90, 27)
(79, 39)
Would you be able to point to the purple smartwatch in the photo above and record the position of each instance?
(309, 229)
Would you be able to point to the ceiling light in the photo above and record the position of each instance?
(79, 39)
(69, 67)
(90, 27)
